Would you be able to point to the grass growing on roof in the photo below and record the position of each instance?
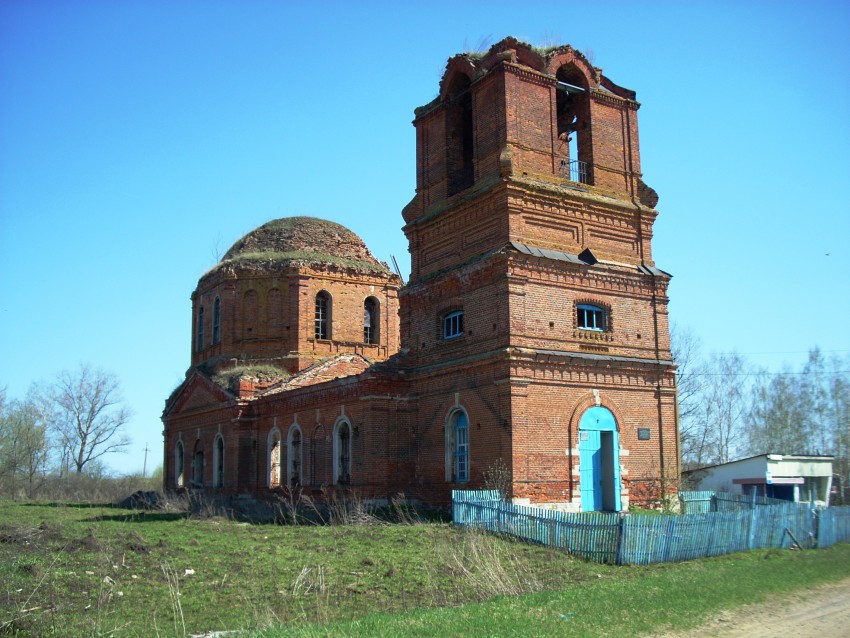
(271, 258)
(226, 378)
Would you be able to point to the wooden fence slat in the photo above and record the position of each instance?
(737, 523)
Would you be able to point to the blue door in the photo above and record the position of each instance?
(599, 460)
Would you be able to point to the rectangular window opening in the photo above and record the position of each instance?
(453, 325)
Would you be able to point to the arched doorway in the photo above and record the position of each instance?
(178, 464)
(599, 460)
(342, 452)
(274, 458)
(198, 467)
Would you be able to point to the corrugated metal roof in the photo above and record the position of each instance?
(546, 253)
(586, 258)
(652, 270)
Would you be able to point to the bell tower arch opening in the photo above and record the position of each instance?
(459, 136)
(574, 131)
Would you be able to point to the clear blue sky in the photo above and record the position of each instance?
(141, 138)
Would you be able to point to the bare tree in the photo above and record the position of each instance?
(779, 419)
(690, 379)
(89, 416)
(727, 409)
(816, 385)
(716, 425)
(806, 412)
(839, 395)
(24, 446)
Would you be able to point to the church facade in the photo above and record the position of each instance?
(530, 343)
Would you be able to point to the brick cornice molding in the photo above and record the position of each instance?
(582, 363)
(603, 97)
(531, 269)
(529, 75)
(552, 190)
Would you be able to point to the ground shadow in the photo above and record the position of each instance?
(139, 517)
(75, 505)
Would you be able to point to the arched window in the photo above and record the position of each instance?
(293, 457)
(323, 316)
(459, 141)
(274, 313)
(198, 466)
(178, 464)
(274, 458)
(457, 447)
(218, 462)
(321, 463)
(250, 314)
(370, 320)
(342, 452)
(199, 330)
(590, 317)
(216, 336)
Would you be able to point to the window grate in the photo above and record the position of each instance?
(322, 314)
(574, 170)
(461, 447)
(344, 476)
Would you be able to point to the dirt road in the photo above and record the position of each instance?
(818, 613)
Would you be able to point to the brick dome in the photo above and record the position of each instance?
(300, 241)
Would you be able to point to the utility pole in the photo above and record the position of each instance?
(145, 465)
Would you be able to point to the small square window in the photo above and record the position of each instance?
(590, 317)
(453, 325)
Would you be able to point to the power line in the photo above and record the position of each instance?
(779, 352)
(763, 374)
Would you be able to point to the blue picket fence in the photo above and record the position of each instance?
(707, 501)
(696, 502)
(592, 535)
(733, 525)
(833, 526)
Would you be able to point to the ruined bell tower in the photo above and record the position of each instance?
(535, 324)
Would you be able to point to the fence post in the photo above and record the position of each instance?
(751, 532)
(619, 557)
(815, 526)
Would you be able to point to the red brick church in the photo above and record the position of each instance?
(532, 335)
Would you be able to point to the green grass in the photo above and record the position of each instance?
(81, 570)
(620, 602)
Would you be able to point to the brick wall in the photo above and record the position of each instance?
(271, 317)
(523, 371)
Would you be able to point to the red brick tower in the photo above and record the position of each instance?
(535, 321)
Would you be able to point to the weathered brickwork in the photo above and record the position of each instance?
(533, 305)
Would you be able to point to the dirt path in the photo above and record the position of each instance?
(818, 613)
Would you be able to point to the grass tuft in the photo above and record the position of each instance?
(86, 570)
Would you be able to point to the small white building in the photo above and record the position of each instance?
(785, 476)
